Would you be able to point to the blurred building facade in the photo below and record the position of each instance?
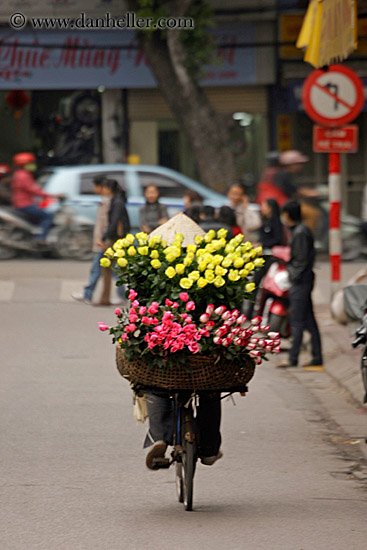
(97, 86)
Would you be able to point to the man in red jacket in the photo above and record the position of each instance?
(24, 191)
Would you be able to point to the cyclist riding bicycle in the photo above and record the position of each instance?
(161, 426)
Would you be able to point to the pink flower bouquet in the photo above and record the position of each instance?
(164, 334)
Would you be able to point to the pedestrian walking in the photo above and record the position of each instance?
(271, 234)
(248, 219)
(300, 269)
(102, 187)
(118, 225)
(98, 247)
(153, 213)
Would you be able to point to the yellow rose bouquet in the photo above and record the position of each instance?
(213, 269)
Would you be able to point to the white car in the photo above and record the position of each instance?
(76, 183)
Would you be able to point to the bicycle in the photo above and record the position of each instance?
(186, 443)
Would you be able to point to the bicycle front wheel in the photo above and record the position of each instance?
(188, 471)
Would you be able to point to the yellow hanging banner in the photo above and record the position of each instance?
(329, 31)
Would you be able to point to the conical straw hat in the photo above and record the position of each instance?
(179, 224)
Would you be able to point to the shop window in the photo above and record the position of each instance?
(168, 187)
(86, 186)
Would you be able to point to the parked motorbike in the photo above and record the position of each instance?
(274, 297)
(74, 131)
(361, 340)
(69, 237)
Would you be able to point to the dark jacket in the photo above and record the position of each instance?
(118, 220)
(271, 233)
(300, 265)
(151, 213)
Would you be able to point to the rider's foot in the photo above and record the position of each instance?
(155, 455)
(79, 297)
(210, 460)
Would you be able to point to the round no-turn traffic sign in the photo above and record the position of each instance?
(333, 97)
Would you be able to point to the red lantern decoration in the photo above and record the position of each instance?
(17, 100)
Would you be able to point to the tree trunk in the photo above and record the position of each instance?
(208, 136)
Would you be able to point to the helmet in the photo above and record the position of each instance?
(4, 169)
(292, 157)
(21, 159)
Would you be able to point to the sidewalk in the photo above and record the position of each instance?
(341, 361)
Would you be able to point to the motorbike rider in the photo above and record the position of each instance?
(266, 187)
(291, 163)
(25, 191)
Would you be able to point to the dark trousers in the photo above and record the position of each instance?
(302, 318)
(39, 216)
(160, 410)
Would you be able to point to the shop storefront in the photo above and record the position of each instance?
(108, 68)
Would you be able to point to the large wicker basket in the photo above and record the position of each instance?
(202, 373)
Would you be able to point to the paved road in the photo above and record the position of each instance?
(73, 474)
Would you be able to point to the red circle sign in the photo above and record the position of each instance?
(333, 97)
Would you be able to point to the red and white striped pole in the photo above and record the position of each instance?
(335, 242)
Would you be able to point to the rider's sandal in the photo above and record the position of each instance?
(155, 458)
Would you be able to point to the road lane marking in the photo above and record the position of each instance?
(7, 289)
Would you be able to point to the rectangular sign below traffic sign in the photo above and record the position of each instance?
(335, 140)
